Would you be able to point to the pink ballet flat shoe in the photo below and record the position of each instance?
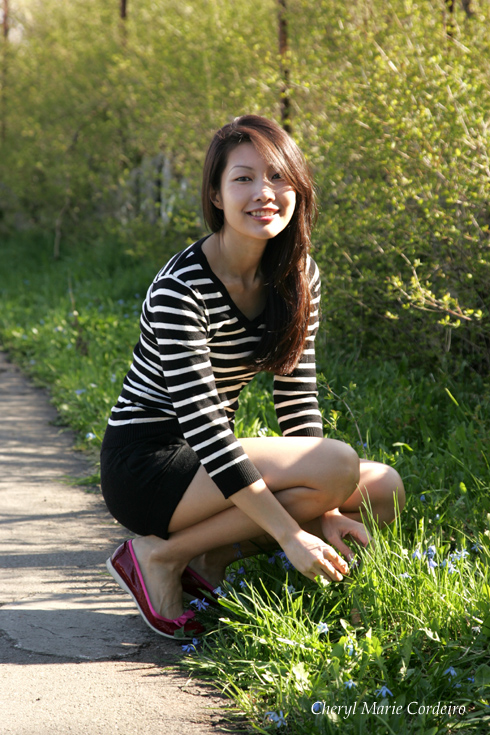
(195, 585)
(125, 569)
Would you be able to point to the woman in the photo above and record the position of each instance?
(241, 300)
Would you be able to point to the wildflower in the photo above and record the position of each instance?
(218, 591)
(285, 561)
(476, 547)
(422, 498)
(350, 650)
(405, 575)
(121, 302)
(200, 604)
(80, 391)
(471, 679)
(432, 564)
(271, 560)
(188, 648)
(279, 719)
(113, 378)
(241, 570)
(90, 436)
(243, 583)
(383, 692)
(322, 627)
(416, 554)
(290, 589)
(350, 684)
(476, 629)
(431, 552)
(238, 553)
(451, 671)
(437, 516)
(263, 431)
(230, 577)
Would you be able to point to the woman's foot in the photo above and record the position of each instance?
(124, 567)
(161, 575)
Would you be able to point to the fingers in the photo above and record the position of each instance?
(333, 565)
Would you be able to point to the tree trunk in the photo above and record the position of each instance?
(284, 63)
(3, 92)
(123, 14)
(449, 18)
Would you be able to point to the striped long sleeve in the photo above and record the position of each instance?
(187, 370)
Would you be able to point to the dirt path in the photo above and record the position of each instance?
(75, 656)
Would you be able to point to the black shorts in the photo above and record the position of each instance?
(144, 478)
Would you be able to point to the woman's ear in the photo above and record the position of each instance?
(216, 199)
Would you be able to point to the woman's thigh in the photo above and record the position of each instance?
(326, 465)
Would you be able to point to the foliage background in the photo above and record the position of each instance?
(106, 123)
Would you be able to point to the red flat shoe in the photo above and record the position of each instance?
(125, 569)
(195, 585)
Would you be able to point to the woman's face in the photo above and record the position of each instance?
(257, 202)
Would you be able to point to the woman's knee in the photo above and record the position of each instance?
(341, 471)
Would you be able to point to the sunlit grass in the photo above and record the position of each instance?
(414, 619)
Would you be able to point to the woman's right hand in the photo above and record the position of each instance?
(313, 557)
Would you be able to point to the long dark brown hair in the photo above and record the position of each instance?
(287, 310)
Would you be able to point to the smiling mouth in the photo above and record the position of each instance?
(260, 213)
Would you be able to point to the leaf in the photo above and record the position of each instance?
(482, 675)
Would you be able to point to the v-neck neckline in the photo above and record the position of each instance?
(256, 321)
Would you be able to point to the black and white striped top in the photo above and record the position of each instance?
(187, 370)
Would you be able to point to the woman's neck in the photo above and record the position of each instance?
(233, 261)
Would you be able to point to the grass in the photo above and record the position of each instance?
(279, 644)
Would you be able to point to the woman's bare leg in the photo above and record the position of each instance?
(206, 527)
(308, 476)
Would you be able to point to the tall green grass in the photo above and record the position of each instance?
(413, 619)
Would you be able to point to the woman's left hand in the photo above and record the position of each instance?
(336, 527)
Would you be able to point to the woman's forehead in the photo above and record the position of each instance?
(245, 155)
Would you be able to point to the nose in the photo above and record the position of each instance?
(264, 191)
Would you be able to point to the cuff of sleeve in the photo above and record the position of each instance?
(235, 478)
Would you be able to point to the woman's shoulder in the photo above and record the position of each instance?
(312, 270)
(184, 267)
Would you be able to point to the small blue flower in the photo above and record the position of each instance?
(451, 671)
(437, 516)
(431, 552)
(476, 547)
(218, 591)
(90, 436)
(243, 583)
(322, 627)
(422, 498)
(279, 719)
(350, 650)
(416, 554)
(200, 604)
(188, 648)
(383, 692)
(271, 560)
(405, 575)
(432, 564)
(241, 570)
(350, 684)
(471, 679)
(80, 391)
(238, 552)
